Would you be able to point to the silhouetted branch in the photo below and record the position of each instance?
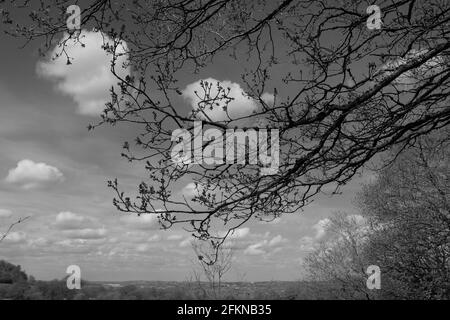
(2, 237)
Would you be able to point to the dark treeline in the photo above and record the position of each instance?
(15, 284)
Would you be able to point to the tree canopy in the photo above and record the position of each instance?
(10, 273)
(404, 229)
(340, 93)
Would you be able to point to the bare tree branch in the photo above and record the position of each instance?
(342, 94)
(2, 237)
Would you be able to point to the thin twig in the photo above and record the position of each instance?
(12, 226)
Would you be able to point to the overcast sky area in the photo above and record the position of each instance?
(55, 170)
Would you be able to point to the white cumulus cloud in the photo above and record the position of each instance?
(16, 237)
(192, 189)
(30, 174)
(69, 221)
(268, 98)
(4, 213)
(89, 78)
(240, 106)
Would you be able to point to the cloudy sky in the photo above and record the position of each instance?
(55, 170)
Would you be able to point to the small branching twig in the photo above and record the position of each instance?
(3, 237)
